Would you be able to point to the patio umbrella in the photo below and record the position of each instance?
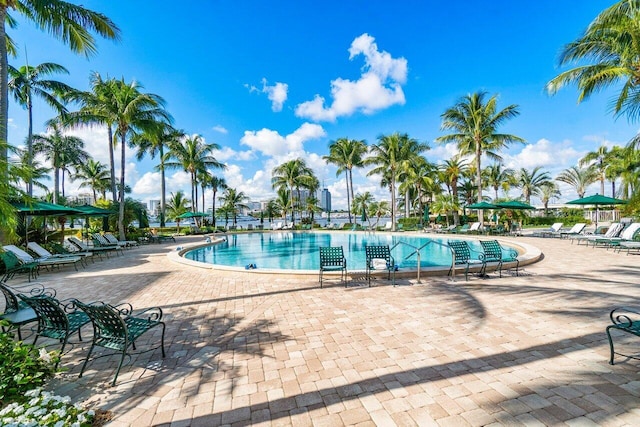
(363, 217)
(192, 215)
(425, 214)
(328, 217)
(482, 205)
(88, 210)
(515, 205)
(597, 200)
(44, 209)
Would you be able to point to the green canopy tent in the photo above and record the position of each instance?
(481, 206)
(597, 200)
(44, 209)
(89, 210)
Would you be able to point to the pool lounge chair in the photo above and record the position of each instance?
(576, 230)
(99, 241)
(555, 228)
(601, 231)
(45, 254)
(13, 265)
(122, 243)
(79, 244)
(614, 233)
(43, 262)
(627, 235)
(473, 229)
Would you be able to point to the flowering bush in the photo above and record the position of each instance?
(22, 367)
(45, 409)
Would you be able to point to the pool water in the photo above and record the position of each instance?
(300, 251)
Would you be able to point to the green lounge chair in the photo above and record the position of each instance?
(332, 259)
(44, 262)
(13, 266)
(117, 328)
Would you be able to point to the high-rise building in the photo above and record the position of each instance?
(154, 207)
(325, 200)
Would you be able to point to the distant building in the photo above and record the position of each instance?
(154, 207)
(325, 200)
(81, 199)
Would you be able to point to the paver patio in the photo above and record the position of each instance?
(253, 349)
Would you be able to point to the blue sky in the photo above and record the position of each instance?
(272, 81)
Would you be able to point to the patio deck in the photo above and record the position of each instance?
(251, 349)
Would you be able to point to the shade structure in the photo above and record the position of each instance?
(45, 209)
(88, 210)
(597, 200)
(192, 215)
(514, 204)
(482, 205)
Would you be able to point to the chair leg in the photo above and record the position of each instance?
(162, 340)
(610, 343)
(84, 365)
(115, 377)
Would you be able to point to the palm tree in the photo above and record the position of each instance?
(498, 178)
(452, 170)
(347, 154)
(361, 203)
(475, 124)
(388, 157)
(193, 155)
(26, 83)
(420, 178)
(531, 182)
(153, 141)
(216, 184)
(548, 192)
(34, 173)
(61, 150)
(445, 203)
(68, 22)
(606, 55)
(578, 178)
(177, 205)
(292, 176)
(379, 209)
(271, 209)
(597, 160)
(283, 202)
(625, 165)
(93, 175)
(234, 200)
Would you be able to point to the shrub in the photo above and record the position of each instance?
(41, 408)
(22, 367)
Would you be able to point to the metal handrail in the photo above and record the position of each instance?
(417, 253)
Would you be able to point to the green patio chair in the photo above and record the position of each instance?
(16, 312)
(462, 256)
(332, 259)
(379, 258)
(491, 255)
(117, 328)
(56, 320)
(625, 320)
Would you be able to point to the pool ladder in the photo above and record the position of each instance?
(416, 252)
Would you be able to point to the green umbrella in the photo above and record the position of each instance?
(88, 210)
(192, 215)
(425, 214)
(44, 209)
(482, 205)
(514, 204)
(597, 200)
(363, 218)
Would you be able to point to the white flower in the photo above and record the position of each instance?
(81, 418)
(33, 392)
(91, 412)
(44, 355)
(59, 424)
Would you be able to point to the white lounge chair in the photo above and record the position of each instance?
(555, 228)
(577, 229)
(43, 253)
(44, 262)
(122, 243)
(277, 225)
(614, 229)
(625, 235)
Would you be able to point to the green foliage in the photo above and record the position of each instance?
(22, 367)
(41, 408)
(410, 223)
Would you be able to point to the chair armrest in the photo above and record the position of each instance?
(153, 314)
(35, 289)
(621, 317)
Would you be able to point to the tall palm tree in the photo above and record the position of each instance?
(578, 178)
(625, 166)
(283, 202)
(498, 178)
(216, 184)
(411, 156)
(361, 203)
(193, 155)
(420, 177)
(475, 122)
(347, 154)
(378, 210)
(60, 150)
(293, 175)
(153, 141)
(27, 83)
(531, 182)
(73, 24)
(606, 55)
(445, 203)
(548, 192)
(234, 200)
(94, 175)
(34, 173)
(388, 157)
(597, 160)
(452, 170)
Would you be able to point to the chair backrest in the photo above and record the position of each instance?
(331, 256)
(10, 260)
(39, 250)
(78, 243)
(630, 231)
(12, 303)
(97, 237)
(108, 324)
(492, 250)
(22, 255)
(475, 226)
(614, 230)
(51, 316)
(110, 238)
(377, 252)
(388, 225)
(577, 228)
(461, 250)
(556, 226)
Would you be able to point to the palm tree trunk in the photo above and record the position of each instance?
(393, 201)
(112, 163)
(163, 189)
(56, 184)
(30, 144)
(121, 192)
(213, 208)
(613, 188)
(348, 196)
(4, 97)
(350, 189)
(479, 181)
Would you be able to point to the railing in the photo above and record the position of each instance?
(416, 252)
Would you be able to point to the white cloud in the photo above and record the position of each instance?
(271, 143)
(277, 93)
(220, 129)
(228, 153)
(379, 87)
(551, 155)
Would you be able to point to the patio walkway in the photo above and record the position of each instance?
(251, 349)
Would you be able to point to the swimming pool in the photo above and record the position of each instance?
(299, 251)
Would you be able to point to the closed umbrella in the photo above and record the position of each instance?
(597, 200)
(425, 214)
(363, 217)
